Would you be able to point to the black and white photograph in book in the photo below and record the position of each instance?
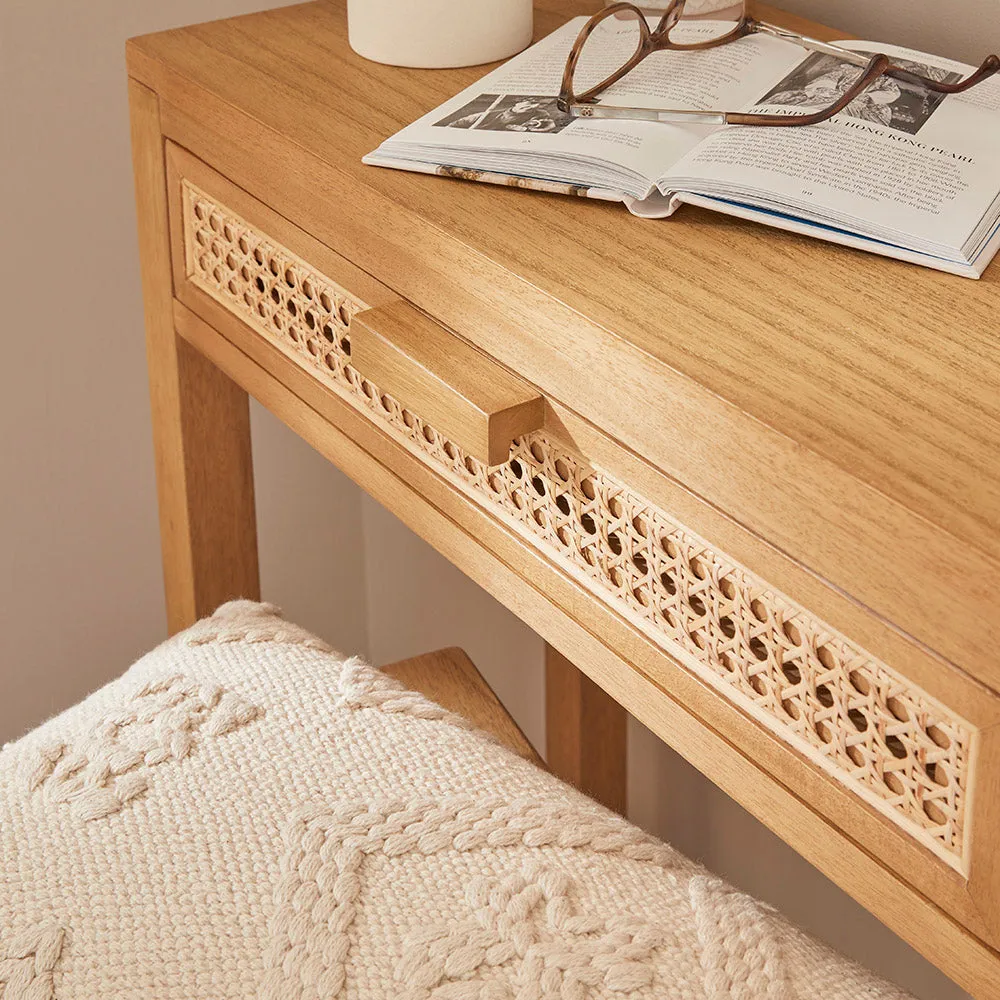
(509, 113)
(820, 79)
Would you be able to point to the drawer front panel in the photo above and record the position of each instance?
(865, 725)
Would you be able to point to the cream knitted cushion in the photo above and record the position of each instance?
(246, 814)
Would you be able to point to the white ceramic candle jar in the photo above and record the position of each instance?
(438, 34)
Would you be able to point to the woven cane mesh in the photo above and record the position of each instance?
(865, 725)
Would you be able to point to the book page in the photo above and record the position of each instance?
(901, 162)
(514, 109)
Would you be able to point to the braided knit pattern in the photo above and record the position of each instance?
(528, 922)
(28, 961)
(363, 687)
(248, 622)
(740, 950)
(246, 814)
(316, 899)
(110, 767)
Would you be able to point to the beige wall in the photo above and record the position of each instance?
(78, 532)
(80, 588)
(960, 29)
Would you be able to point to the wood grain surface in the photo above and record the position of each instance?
(585, 733)
(201, 419)
(843, 406)
(467, 396)
(449, 678)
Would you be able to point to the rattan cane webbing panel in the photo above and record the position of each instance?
(864, 724)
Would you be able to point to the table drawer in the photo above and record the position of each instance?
(904, 767)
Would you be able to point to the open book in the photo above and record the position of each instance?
(903, 171)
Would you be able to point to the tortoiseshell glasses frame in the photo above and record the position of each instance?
(658, 39)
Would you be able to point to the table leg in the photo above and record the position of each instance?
(201, 419)
(585, 733)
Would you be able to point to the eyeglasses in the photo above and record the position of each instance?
(594, 64)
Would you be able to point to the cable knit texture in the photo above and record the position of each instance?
(246, 813)
(27, 963)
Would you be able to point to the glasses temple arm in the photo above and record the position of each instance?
(990, 66)
(814, 44)
(874, 67)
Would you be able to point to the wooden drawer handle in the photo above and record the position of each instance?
(460, 392)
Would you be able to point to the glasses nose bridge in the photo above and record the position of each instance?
(669, 19)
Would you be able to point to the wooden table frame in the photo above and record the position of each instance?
(204, 361)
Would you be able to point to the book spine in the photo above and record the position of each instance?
(503, 180)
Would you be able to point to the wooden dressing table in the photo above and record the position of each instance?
(747, 483)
